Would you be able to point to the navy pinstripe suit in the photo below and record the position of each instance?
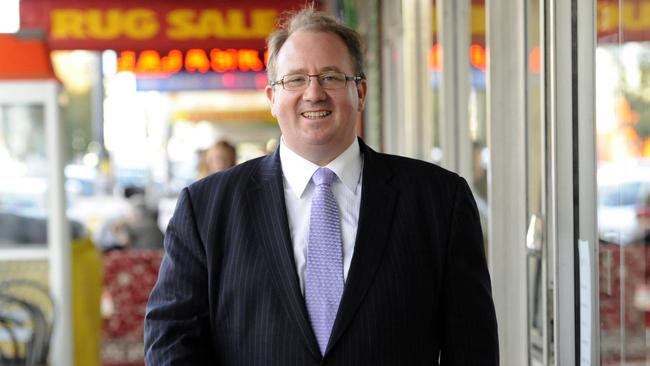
(418, 290)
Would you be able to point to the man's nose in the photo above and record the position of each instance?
(314, 91)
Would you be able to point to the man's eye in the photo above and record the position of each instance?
(331, 77)
(294, 79)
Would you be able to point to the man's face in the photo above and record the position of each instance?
(316, 123)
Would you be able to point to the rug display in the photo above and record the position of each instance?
(129, 276)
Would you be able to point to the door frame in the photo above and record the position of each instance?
(572, 204)
(568, 49)
(506, 97)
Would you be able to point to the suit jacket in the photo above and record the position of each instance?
(418, 291)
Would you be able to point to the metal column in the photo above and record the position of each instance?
(507, 175)
(453, 18)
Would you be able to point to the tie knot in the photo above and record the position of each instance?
(323, 176)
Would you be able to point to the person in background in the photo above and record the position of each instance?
(324, 252)
(134, 229)
(141, 225)
(220, 156)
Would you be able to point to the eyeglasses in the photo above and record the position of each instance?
(328, 80)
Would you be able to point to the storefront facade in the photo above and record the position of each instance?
(542, 106)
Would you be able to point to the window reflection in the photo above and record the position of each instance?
(623, 147)
(23, 177)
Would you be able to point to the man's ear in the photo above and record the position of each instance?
(362, 90)
(270, 94)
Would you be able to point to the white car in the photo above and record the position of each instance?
(624, 201)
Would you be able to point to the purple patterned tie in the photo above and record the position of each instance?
(324, 269)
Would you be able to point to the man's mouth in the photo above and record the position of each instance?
(316, 114)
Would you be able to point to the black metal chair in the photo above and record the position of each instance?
(28, 310)
(8, 341)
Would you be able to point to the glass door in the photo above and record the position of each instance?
(539, 314)
(622, 59)
(568, 184)
(541, 181)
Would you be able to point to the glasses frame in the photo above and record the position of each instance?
(356, 79)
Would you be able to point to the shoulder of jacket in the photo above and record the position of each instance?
(233, 177)
(410, 167)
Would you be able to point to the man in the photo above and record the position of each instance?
(324, 252)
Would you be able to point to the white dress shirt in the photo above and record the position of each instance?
(298, 190)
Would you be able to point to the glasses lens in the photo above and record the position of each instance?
(332, 80)
(295, 82)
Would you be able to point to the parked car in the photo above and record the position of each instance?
(24, 202)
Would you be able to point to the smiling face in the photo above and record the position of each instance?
(316, 123)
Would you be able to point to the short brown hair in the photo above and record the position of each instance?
(312, 20)
(223, 144)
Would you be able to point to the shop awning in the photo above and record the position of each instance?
(24, 57)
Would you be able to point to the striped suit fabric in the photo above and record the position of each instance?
(418, 291)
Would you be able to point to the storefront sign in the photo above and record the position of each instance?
(164, 25)
(623, 21)
(152, 62)
(616, 21)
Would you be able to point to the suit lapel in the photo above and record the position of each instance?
(375, 216)
(266, 200)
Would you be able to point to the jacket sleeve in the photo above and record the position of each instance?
(470, 327)
(177, 322)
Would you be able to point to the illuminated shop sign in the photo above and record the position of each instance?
(165, 25)
(196, 69)
(152, 62)
(616, 21)
(623, 20)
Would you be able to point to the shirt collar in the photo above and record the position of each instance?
(298, 171)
